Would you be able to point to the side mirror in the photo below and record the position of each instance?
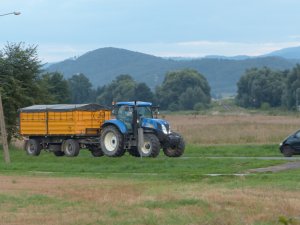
(155, 111)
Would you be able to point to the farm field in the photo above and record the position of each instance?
(234, 129)
(128, 190)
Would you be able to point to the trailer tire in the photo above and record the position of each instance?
(71, 148)
(151, 147)
(175, 151)
(59, 153)
(33, 147)
(112, 142)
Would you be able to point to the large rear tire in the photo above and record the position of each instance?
(70, 147)
(33, 147)
(112, 142)
(175, 151)
(151, 146)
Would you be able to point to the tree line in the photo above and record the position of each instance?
(23, 82)
(264, 88)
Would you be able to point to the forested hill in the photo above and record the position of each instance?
(101, 66)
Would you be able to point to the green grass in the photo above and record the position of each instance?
(193, 166)
(25, 200)
(234, 150)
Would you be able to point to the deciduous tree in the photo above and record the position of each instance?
(182, 90)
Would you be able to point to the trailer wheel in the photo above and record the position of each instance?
(33, 147)
(175, 151)
(71, 148)
(151, 146)
(59, 153)
(112, 142)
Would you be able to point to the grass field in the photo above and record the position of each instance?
(234, 129)
(85, 190)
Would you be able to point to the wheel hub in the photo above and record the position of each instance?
(146, 149)
(110, 141)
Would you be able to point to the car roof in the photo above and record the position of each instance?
(138, 103)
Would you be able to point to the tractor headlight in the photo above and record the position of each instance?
(164, 129)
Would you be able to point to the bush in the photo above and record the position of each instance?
(265, 106)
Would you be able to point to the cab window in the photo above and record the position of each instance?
(297, 135)
(145, 112)
(125, 113)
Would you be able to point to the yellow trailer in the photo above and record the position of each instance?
(62, 127)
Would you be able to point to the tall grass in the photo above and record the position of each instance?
(233, 129)
(85, 190)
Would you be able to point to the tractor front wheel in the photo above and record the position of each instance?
(151, 146)
(175, 151)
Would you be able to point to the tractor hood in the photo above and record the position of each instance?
(156, 124)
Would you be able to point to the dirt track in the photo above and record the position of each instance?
(278, 168)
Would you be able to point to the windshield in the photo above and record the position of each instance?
(145, 112)
(125, 112)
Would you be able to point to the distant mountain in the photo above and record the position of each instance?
(288, 53)
(101, 66)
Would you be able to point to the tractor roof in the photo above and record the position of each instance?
(132, 103)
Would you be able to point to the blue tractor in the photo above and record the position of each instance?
(135, 130)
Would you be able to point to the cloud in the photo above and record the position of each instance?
(202, 48)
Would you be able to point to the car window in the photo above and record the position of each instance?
(297, 135)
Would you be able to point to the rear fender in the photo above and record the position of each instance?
(119, 124)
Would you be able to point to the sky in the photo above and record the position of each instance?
(169, 28)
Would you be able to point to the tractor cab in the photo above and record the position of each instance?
(137, 129)
(127, 111)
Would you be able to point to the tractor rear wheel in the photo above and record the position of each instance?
(175, 151)
(112, 142)
(33, 147)
(71, 147)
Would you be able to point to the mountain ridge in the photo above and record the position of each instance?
(102, 65)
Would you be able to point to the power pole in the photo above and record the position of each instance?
(3, 134)
(2, 121)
